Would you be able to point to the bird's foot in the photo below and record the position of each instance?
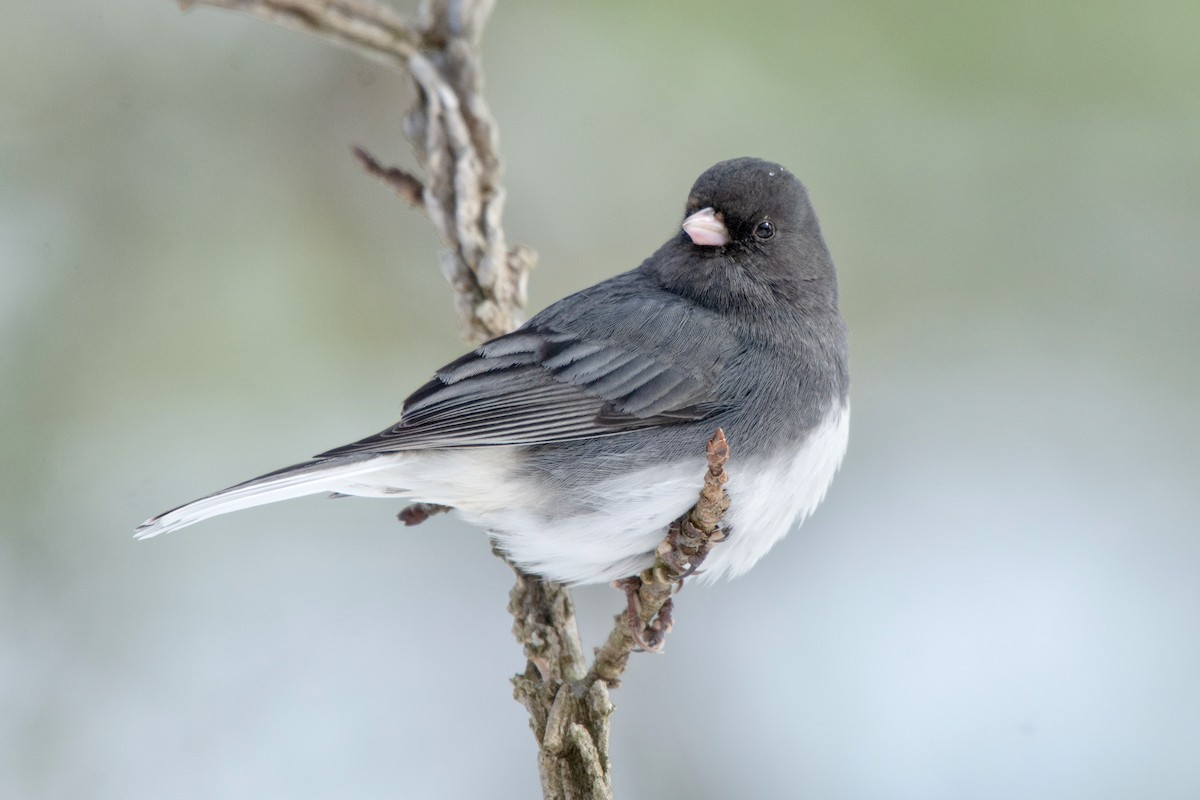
(648, 635)
(685, 548)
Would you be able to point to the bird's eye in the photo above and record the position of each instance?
(765, 230)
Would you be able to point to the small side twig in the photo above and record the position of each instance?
(407, 185)
(416, 513)
(371, 28)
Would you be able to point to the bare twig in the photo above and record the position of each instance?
(371, 28)
(416, 513)
(407, 185)
(452, 132)
(570, 711)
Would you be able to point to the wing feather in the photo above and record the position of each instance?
(581, 369)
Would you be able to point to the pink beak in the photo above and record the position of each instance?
(706, 228)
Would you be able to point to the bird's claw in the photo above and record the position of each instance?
(650, 635)
(686, 546)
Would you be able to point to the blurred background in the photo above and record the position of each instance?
(999, 598)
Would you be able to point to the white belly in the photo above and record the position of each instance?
(768, 499)
(630, 514)
(576, 534)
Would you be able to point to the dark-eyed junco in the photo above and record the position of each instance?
(576, 439)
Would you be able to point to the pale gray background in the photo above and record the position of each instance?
(998, 600)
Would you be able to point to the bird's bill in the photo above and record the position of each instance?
(706, 228)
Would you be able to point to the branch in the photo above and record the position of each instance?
(570, 710)
(373, 29)
(453, 135)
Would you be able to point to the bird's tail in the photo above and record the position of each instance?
(311, 477)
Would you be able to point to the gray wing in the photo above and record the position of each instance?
(579, 370)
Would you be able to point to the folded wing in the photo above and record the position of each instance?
(564, 376)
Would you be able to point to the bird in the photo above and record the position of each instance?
(576, 439)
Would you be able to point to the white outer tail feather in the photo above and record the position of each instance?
(303, 479)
